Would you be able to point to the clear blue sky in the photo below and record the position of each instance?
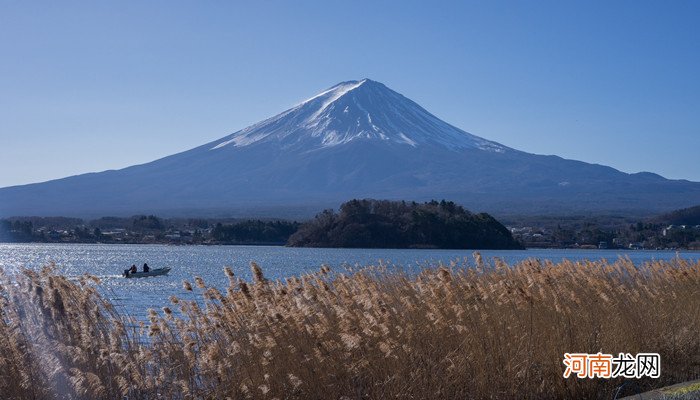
(94, 85)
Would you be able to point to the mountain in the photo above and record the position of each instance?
(358, 139)
(686, 216)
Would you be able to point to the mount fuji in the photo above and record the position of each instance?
(357, 139)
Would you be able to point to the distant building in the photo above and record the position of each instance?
(672, 228)
(115, 233)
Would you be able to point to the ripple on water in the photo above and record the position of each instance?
(137, 295)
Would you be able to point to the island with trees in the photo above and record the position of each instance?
(399, 224)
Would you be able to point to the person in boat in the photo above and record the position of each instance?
(146, 268)
(133, 269)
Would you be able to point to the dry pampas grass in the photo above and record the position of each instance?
(483, 331)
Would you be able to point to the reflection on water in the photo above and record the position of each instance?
(137, 295)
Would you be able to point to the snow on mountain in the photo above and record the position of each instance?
(357, 139)
(356, 111)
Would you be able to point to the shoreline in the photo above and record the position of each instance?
(622, 249)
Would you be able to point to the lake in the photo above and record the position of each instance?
(137, 295)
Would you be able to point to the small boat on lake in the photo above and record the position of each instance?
(153, 272)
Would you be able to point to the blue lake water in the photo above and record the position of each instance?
(137, 295)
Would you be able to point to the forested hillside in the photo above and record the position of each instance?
(398, 224)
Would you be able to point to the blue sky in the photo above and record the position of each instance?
(89, 86)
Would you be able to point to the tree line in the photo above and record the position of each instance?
(399, 224)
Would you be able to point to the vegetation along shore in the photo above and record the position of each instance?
(469, 331)
(374, 223)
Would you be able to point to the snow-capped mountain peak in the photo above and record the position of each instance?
(357, 139)
(354, 111)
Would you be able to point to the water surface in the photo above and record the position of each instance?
(136, 295)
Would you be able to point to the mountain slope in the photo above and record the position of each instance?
(352, 111)
(356, 139)
(686, 216)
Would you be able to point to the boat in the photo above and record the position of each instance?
(153, 272)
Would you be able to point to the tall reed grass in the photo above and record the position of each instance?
(480, 331)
